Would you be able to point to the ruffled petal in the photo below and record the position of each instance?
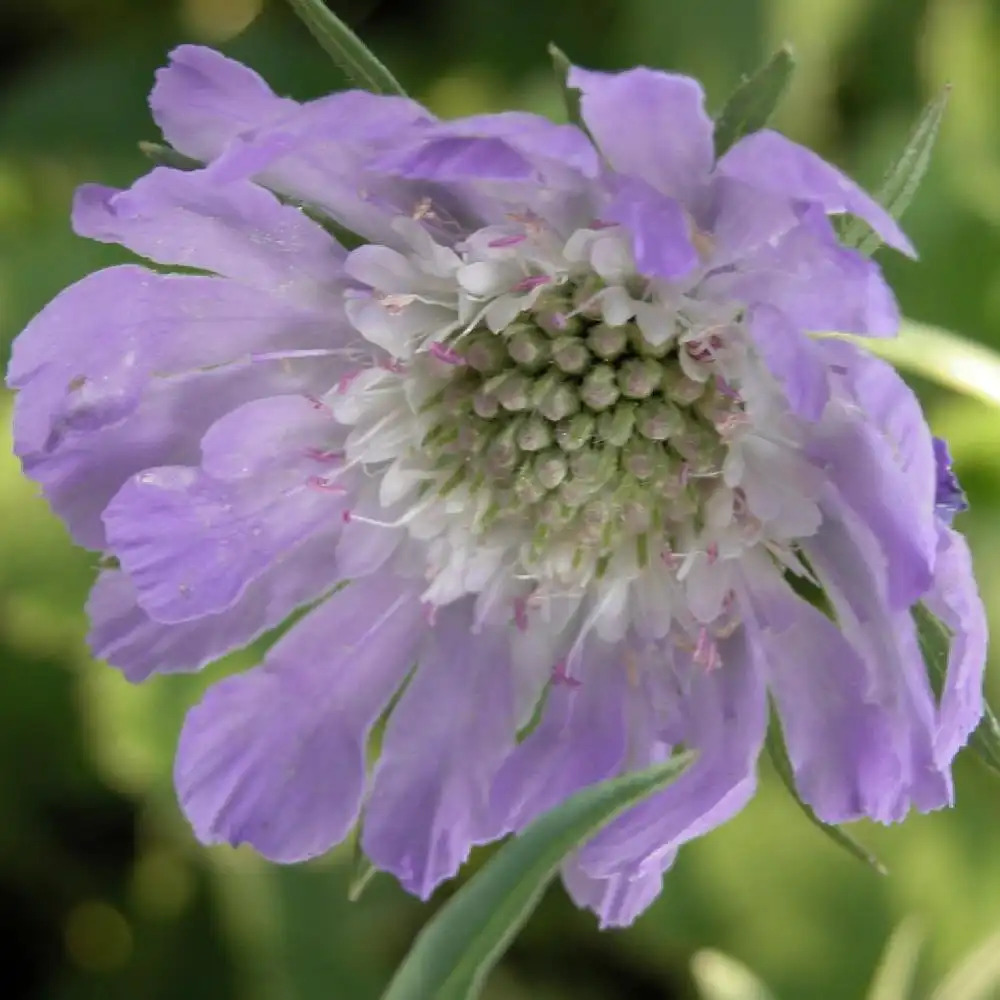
(884, 715)
(955, 599)
(721, 714)
(237, 230)
(191, 540)
(124, 635)
(581, 739)
(617, 899)
(275, 757)
(889, 489)
(202, 101)
(443, 744)
(769, 161)
(651, 125)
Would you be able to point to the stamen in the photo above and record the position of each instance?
(319, 455)
(521, 613)
(318, 352)
(325, 486)
(532, 282)
(560, 676)
(507, 241)
(446, 354)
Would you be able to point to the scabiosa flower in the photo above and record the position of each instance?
(550, 458)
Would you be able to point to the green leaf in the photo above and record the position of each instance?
(935, 638)
(453, 954)
(571, 96)
(898, 966)
(977, 977)
(941, 356)
(903, 178)
(351, 54)
(779, 756)
(164, 156)
(719, 977)
(752, 103)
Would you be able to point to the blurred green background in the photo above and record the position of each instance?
(103, 892)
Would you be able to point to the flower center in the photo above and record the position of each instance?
(588, 433)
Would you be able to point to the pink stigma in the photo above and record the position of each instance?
(345, 516)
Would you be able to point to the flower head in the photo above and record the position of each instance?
(560, 423)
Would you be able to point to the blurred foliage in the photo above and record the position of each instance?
(103, 893)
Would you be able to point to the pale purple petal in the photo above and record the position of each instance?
(740, 219)
(955, 600)
(275, 757)
(616, 899)
(85, 359)
(238, 230)
(581, 739)
(81, 470)
(793, 358)
(722, 715)
(816, 283)
(949, 497)
(659, 227)
(320, 155)
(893, 682)
(862, 467)
(651, 125)
(442, 746)
(202, 101)
(124, 635)
(191, 540)
(769, 161)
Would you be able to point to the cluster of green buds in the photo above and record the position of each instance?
(586, 431)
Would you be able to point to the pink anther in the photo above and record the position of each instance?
(446, 354)
(559, 676)
(521, 613)
(344, 382)
(324, 485)
(531, 282)
(706, 652)
(507, 241)
(319, 455)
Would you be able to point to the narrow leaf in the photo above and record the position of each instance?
(719, 977)
(779, 757)
(941, 356)
(751, 104)
(904, 176)
(571, 96)
(453, 954)
(164, 156)
(898, 966)
(977, 977)
(357, 61)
